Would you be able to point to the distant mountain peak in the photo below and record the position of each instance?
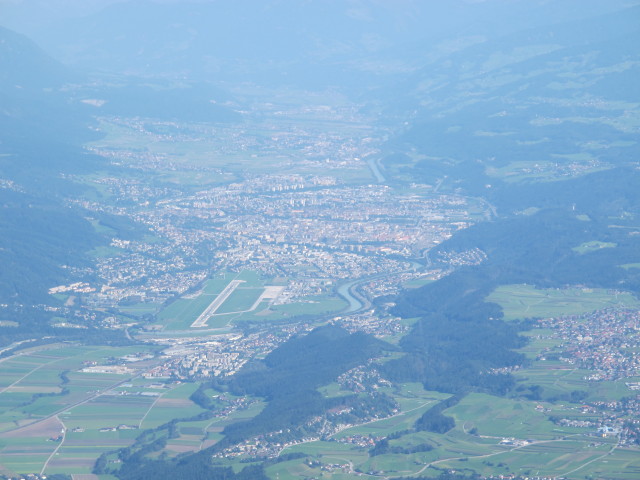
(24, 65)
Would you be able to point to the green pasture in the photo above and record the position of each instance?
(553, 449)
(413, 401)
(526, 301)
(182, 391)
(550, 458)
(455, 442)
(107, 412)
(223, 320)
(103, 251)
(173, 404)
(237, 416)
(38, 393)
(292, 470)
(593, 246)
(241, 299)
(333, 390)
(312, 305)
(251, 279)
(139, 309)
(180, 314)
(620, 464)
(262, 313)
(559, 379)
(502, 417)
(518, 171)
(193, 435)
(555, 377)
(25, 455)
(206, 152)
(627, 266)
(216, 284)
(330, 452)
(535, 345)
(23, 462)
(82, 448)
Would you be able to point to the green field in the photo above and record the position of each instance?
(482, 440)
(241, 300)
(44, 391)
(621, 464)
(559, 378)
(501, 417)
(526, 301)
(413, 400)
(477, 441)
(32, 384)
(312, 306)
(234, 161)
(519, 171)
(593, 246)
(139, 309)
(180, 314)
(630, 265)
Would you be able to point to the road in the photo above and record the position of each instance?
(507, 451)
(53, 454)
(87, 399)
(28, 373)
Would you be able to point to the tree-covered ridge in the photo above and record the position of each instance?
(41, 132)
(460, 336)
(536, 249)
(289, 376)
(288, 379)
(196, 467)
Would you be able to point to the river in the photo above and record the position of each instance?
(344, 291)
(356, 301)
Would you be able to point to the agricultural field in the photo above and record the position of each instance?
(87, 413)
(491, 434)
(54, 407)
(593, 246)
(413, 401)
(213, 154)
(537, 458)
(545, 171)
(526, 301)
(174, 403)
(494, 417)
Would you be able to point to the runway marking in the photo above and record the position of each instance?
(204, 317)
(270, 293)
